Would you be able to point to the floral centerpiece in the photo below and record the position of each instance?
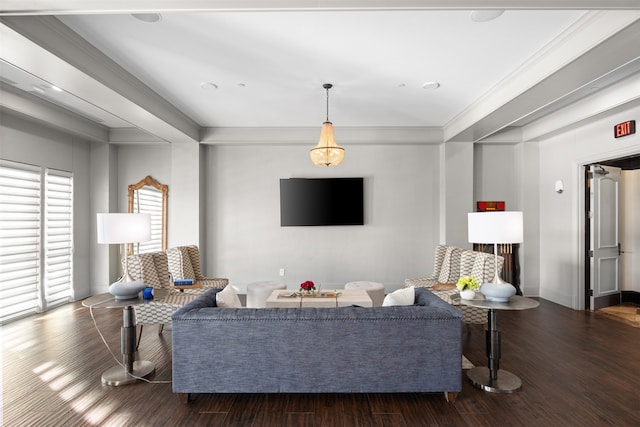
(468, 287)
(307, 287)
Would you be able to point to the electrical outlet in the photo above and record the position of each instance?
(282, 272)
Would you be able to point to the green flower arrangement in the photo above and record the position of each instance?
(467, 283)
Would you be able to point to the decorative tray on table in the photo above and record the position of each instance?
(323, 294)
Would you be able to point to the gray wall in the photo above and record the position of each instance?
(245, 241)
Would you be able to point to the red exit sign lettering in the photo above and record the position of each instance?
(624, 128)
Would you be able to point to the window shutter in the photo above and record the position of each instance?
(20, 228)
(58, 241)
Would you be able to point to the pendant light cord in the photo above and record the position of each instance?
(327, 86)
(327, 105)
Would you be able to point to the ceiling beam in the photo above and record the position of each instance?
(59, 7)
(46, 112)
(46, 48)
(604, 43)
(309, 136)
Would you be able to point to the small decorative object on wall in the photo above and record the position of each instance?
(624, 129)
(484, 206)
(559, 186)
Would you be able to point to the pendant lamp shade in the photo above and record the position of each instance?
(327, 152)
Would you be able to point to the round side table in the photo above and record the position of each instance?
(492, 378)
(131, 370)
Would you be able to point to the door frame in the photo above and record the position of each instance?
(593, 302)
(580, 210)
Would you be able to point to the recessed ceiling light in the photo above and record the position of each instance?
(208, 86)
(431, 85)
(241, 85)
(485, 15)
(401, 85)
(147, 17)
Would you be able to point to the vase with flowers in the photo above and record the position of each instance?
(468, 287)
(307, 288)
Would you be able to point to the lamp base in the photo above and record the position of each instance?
(498, 292)
(126, 290)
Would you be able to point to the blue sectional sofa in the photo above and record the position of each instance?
(416, 348)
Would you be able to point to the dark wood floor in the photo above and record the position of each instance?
(578, 369)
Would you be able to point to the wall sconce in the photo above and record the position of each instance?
(559, 186)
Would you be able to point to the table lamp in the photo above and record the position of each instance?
(496, 227)
(124, 228)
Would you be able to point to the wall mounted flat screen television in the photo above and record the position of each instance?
(321, 201)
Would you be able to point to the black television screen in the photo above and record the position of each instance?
(321, 201)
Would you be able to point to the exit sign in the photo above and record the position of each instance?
(624, 128)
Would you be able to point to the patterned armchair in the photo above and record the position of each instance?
(450, 264)
(446, 265)
(153, 269)
(480, 266)
(184, 263)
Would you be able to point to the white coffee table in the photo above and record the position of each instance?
(342, 298)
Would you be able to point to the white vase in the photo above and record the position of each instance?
(468, 294)
(499, 292)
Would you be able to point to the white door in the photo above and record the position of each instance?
(604, 231)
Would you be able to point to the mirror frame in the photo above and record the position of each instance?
(148, 180)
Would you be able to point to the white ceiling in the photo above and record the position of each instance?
(268, 65)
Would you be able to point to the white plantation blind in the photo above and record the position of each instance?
(149, 200)
(20, 237)
(58, 237)
(36, 239)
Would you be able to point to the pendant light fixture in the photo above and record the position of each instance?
(327, 152)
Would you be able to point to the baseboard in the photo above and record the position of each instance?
(631, 296)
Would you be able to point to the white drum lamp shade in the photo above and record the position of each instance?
(496, 227)
(119, 228)
(124, 228)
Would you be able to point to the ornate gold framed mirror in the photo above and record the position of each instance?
(149, 196)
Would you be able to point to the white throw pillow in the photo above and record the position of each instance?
(228, 298)
(404, 296)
